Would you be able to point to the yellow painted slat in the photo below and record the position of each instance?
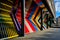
(13, 36)
(6, 5)
(5, 10)
(8, 22)
(2, 15)
(37, 18)
(11, 32)
(6, 18)
(10, 1)
(34, 16)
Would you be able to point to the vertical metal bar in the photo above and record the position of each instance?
(41, 20)
(50, 21)
(47, 21)
(22, 8)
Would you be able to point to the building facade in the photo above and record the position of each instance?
(58, 21)
(21, 17)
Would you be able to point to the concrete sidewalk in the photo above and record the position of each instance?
(48, 34)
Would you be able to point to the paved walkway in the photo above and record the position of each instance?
(48, 34)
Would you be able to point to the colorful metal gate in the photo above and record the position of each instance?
(19, 19)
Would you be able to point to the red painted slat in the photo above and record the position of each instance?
(32, 27)
(26, 31)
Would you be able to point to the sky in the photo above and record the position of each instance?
(57, 6)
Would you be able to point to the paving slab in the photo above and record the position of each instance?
(48, 34)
